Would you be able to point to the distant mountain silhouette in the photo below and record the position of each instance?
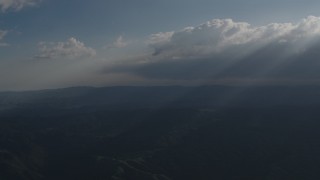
(166, 96)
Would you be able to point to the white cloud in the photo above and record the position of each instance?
(222, 34)
(162, 37)
(17, 5)
(120, 42)
(70, 49)
(224, 49)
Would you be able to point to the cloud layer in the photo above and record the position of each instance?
(71, 49)
(222, 49)
(222, 34)
(16, 5)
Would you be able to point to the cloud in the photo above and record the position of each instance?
(118, 43)
(221, 35)
(222, 49)
(215, 36)
(2, 35)
(70, 49)
(17, 5)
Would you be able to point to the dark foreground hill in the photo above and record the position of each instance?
(155, 133)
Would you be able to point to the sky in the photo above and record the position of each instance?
(57, 43)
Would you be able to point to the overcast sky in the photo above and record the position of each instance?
(63, 43)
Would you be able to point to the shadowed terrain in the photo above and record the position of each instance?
(161, 133)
